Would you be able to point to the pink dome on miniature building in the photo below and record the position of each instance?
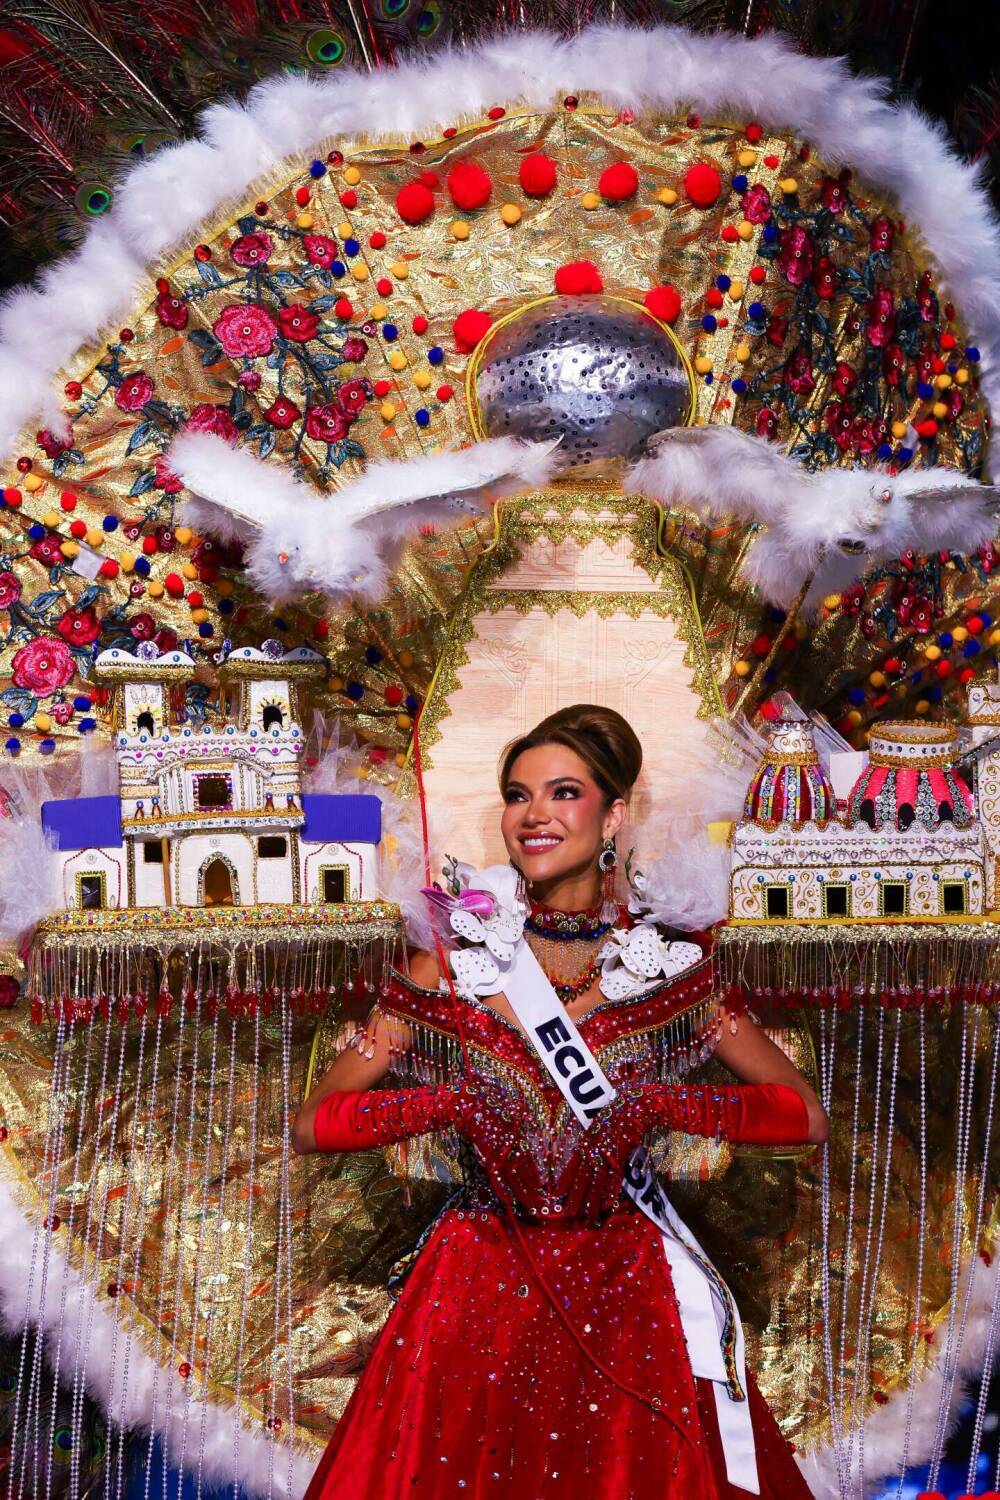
(790, 785)
(911, 778)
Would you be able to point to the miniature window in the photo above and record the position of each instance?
(273, 716)
(91, 892)
(954, 899)
(334, 884)
(272, 846)
(144, 721)
(212, 791)
(836, 901)
(892, 898)
(152, 852)
(776, 900)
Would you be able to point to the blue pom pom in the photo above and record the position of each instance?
(709, 323)
(355, 691)
(81, 704)
(972, 354)
(952, 369)
(739, 386)
(16, 721)
(885, 451)
(412, 703)
(36, 532)
(740, 183)
(352, 246)
(904, 455)
(934, 694)
(770, 675)
(86, 726)
(279, 623)
(372, 655)
(317, 168)
(390, 331)
(946, 639)
(110, 523)
(142, 567)
(924, 390)
(13, 745)
(971, 648)
(206, 630)
(226, 606)
(338, 269)
(856, 696)
(756, 310)
(770, 233)
(986, 619)
(436, 355)
(723, 283)
(47, 746)
(709, 378)
(422, 417)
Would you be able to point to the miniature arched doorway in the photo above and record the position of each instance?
(219, 883)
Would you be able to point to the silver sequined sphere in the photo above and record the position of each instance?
(600, 375)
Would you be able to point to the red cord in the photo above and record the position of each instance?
(653, 1402)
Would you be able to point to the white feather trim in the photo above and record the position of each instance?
(342, 542)
(810, 518)
(124, 1389)
(163, 202)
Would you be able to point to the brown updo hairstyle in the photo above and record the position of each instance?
(604, 741)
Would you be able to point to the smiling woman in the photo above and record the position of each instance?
(563, 1268)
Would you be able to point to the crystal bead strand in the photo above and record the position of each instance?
(206, 1177)
(247, 1255)
(827, 1049)
(857, 1404)
(967, 1065)
(849, 1221)
(286, 1208)
(276, 1344)
(987, 1364)
(880, 1239)
(219, 1219)
(921, 1244)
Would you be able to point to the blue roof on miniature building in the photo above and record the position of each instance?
(84, 822)
(332, 819)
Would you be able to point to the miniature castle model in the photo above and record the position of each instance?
(914, 841)
(212, 816)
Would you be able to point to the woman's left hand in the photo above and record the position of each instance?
(751, 1055)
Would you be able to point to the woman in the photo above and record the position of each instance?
(541, 1344)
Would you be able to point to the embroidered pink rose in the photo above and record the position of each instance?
(326, 424)
(354, 351)
(833, 195)
(297, 323)
(777, 330)
(141, 627)
(79, 626)
(245, 330)
(852, 599)
(824, 278)
(171, 311)
(320, 250)
(882, 234)
(282, 414)
(47, 550)
(840, 423)
(844, 379)
(249, 380)
(351, 397)
(134, 391)
(166, 640)
(62, 712)
(51, 445)
(881, 318)
(799, 373)
(795, 255)
(43, 666)
(165, 478)
(756, 204)
(252, 249)
(10, 590)
(893, 364)
(866, 434)
(922, 617)
(208, 418)
(767, 422)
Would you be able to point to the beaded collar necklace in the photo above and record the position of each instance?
(565, 926)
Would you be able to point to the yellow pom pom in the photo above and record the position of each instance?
(32, 482)
(387, 411)
(459, 230)
(155, 590)
(304, 221)
(400, 759)
(510, 213)
(877, 679)
(703, 364)
(853, 718)
(744, 229)
(69, 549)
(52, 519)
(735, 291)
(743, 352)
(199, 616)
(942, 382)
(667, 196)
(345, 230)
(43, 722)
(591, 200)
(378, 311)
(95, 538)
(832, 601)
(961, 377)
(403, 721)
(190, 572)
(352, 176)
(746, 158)
(400, 269)
(127, 562)
(995, 637)
(359, 270)
(960, 633)
(742, 669)
(397, 360)
(932, 653)
(421, 380)
(336, 684)
(899, 429)
(788, 185)
(224, 587)
(183, 535)
(940, 410)
(921, 706)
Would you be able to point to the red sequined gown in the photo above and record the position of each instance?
(475, 1386)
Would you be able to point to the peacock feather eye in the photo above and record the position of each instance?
(93, 199)
(428, 20)
(97, 1447)
(393, 9)
(325, 48)
(62, 1443)
(8, 1381)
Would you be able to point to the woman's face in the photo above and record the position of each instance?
(555, 816)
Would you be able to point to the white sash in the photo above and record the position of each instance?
(709, 1316)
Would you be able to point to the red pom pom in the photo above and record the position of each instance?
(927, 429)
(429, 179)
(617, 183)
(344, 308)
(663, 302)
(578, 277)
(414, 203)
(469, 327)
(713, 297)
(384, 286)
(761, 645)
(77, 529)
(754, 132)
(702, 184)
(349, 198)
(108, 568)
(377, 240)
(943, 668)
(393, 694)
(445, 392)
(538, 174)
(974, 624)
(758, 275)
(174, 584)
(469, 186)
(420, 324)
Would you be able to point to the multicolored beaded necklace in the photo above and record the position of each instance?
(559, 929)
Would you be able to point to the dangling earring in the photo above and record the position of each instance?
(607, 862)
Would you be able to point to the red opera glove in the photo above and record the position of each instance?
(360, 1119)
(762, 1114)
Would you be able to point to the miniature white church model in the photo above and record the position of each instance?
(917, 839)
(212, 816)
